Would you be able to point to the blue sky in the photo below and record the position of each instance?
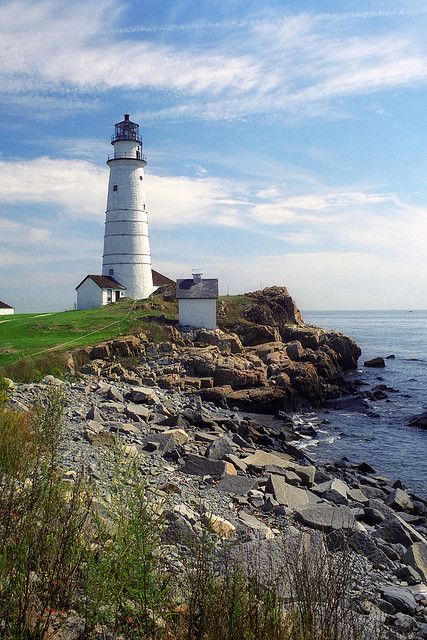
(286, 144)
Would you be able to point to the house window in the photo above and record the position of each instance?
(114, 187)
(111, 272)
(109, 295)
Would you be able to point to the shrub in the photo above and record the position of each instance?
(310, 596)
(63, 545)
(32, 369)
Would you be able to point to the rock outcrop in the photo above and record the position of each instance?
(271, 360)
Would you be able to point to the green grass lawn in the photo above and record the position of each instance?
(24, 335)
(32, 344)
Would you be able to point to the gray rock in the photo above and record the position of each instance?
(386, 607)
(364, 545)
(380, 506)
(236, 462)
(178, 530)
(416, 557)
(114, 394)
(306, 473)
(400, 500)
(373, 516)
(72, 628)
(236, 485)
(373, 492)
(287, 494)
(219, 448)
(375, 362)
(357, 495)
(407, 574)
(262, 529)
(392, 531)
(401, 599)
(137, 412)
(164, 442)
(326, 517)
(201, 466)
(419, 421)
(404, 623)
(265, 459)
(144, 395)
(16, 405)
(52, 380)
(349, 403)
(94, 414)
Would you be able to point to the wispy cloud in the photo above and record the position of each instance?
(204, 25)
(63, 54)
(75, 186)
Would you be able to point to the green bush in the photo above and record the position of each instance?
(63, 546)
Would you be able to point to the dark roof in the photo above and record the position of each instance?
(159, 280)
(103, 282)
(206, 288)
(3, 305)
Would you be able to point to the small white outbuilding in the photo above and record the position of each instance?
(197, 299)
(5, 309)
(96, 291)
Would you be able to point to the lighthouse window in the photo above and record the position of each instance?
(140, 177)
(114, 187)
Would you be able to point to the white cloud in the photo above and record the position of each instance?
(59, 45)
(16, 232)
(75, 186)
(78, 189)
(62, 54)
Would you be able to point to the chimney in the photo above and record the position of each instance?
(197, 277)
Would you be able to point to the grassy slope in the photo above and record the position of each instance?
(27, 334)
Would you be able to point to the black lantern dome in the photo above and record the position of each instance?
(126, 130)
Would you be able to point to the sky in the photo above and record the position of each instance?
(286, 144)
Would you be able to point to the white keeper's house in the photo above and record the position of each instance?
(96, 291)
(5, 309)
(197, 298)
(126, 260)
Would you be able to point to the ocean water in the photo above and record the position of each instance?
(386, 442)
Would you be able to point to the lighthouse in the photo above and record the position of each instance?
(126, 256)
(126, 260)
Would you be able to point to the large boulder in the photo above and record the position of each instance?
(253, 334)
(416, 557)
(345, 349)
(326, 517)
(240, 372)
(273, 306)
(263, 399)
(200, 362)
(375, 363)
(308, 336)
(286, 494)
(226, 342)
(419, 421)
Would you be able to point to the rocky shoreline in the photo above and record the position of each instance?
(208, 416)
(237, 473)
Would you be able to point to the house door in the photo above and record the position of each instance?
(116, 296)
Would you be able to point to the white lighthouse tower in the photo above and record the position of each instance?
(126, 256)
